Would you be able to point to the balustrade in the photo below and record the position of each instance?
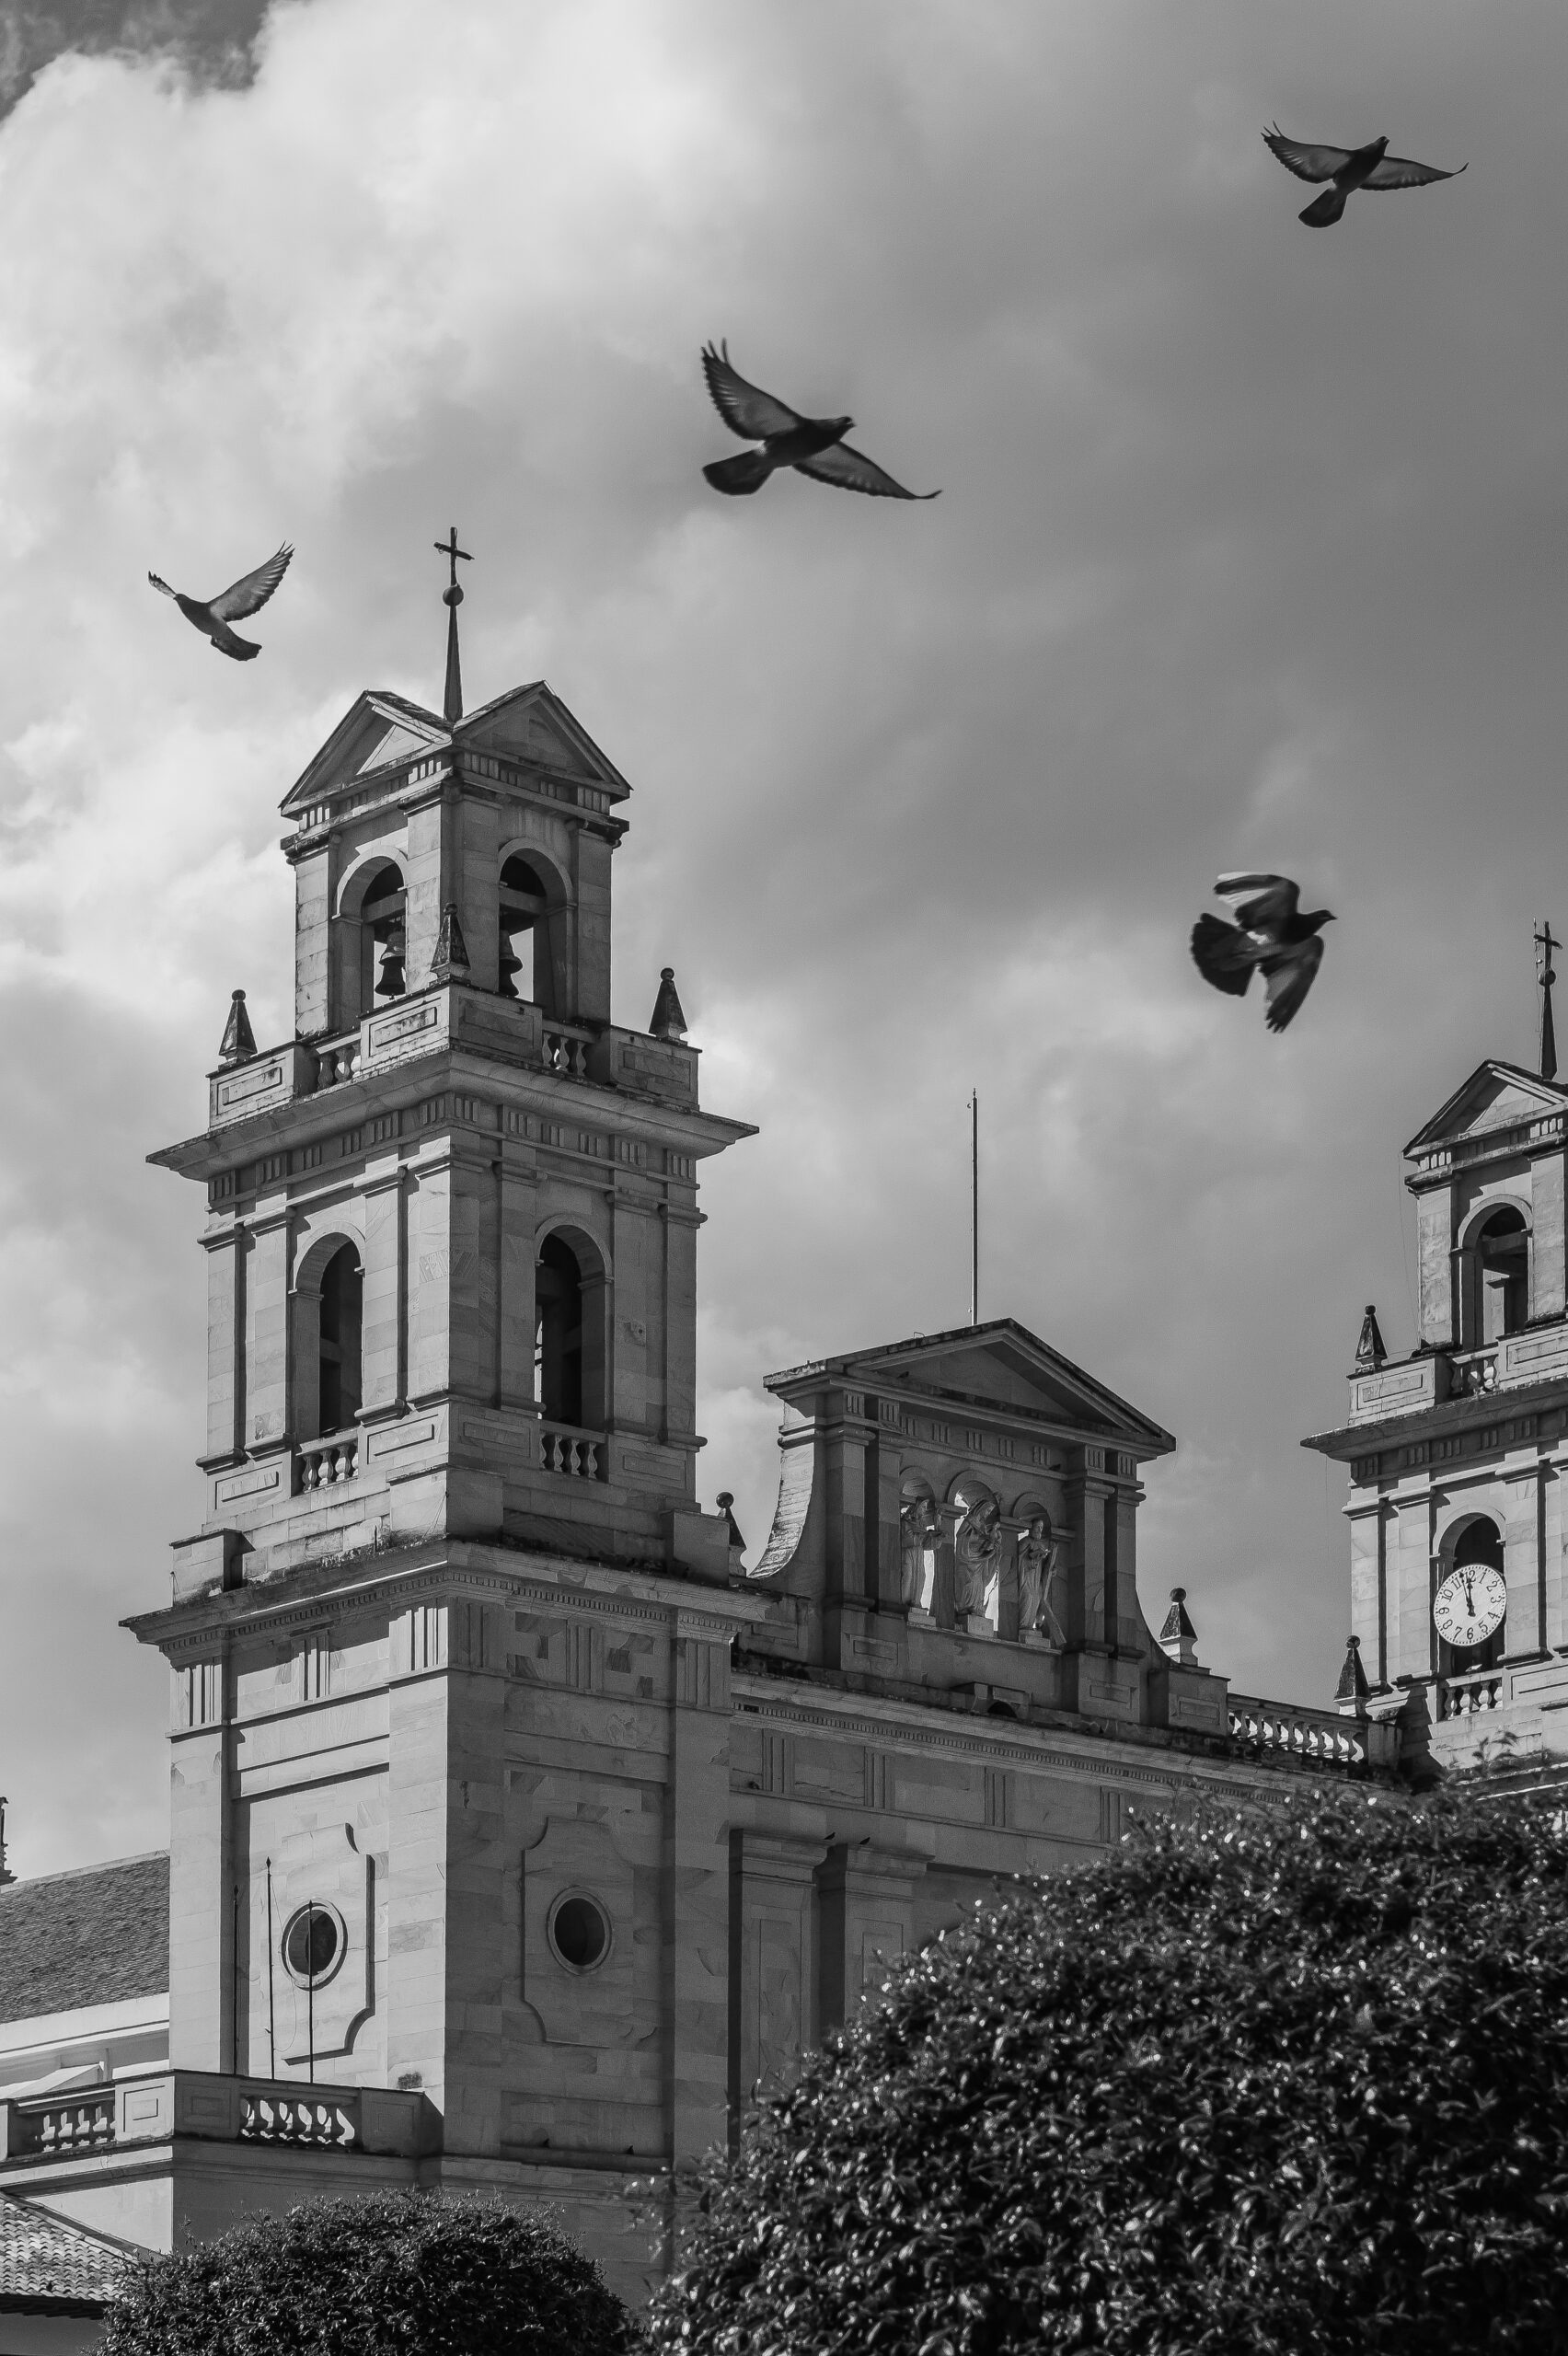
(1463, 1697)
(1471, 1372)
(1320, 1736)
(566, 1051)
(161, 2106)
(564, 1450)
(336, 1060)
(76, 2123)
(323, 1463)
(267, 2117)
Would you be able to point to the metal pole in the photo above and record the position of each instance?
(975, 1208)
(233, 2038)
(272, 2017)
(310, 1982)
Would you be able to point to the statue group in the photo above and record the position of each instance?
(977, 1560)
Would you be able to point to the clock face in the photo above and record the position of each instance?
(1470, 1604)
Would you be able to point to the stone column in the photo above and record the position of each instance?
(384, 1346)
(226, 1347)
(418, 1805)
(269, 1285)
(697, 2003)
(866, 1914)
(1369, 1582)
(515, 1307)
(772, 1990)
(202, 1869)
(681, 1224)
(1548, 1235)
(1524, 1563)
(478, 1952)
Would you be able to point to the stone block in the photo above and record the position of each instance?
(208, 1563)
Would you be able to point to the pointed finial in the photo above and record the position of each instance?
(1545, 943)
(5, 1873)
(1352, 1686)
(450, 963)
(726, 1500)
(239, 1039)
(452, 597)
(1179, 1637)
(668, 1022)
(1370, 1353)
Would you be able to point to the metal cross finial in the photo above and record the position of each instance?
(1545, 943)
(452, 597)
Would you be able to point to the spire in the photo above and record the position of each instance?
(668, 1022)
(452, 597)
(1545, 943)
(1370, 1353)
(1179, 1637)
(1352, 1686)
(239, 1039)
(450, 963)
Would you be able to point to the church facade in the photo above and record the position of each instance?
(519, 1830)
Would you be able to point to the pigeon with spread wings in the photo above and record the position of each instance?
(814, 446)
(1270, 933)
(247, 596)
(1349, 168)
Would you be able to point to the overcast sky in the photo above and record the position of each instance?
(1250, 552)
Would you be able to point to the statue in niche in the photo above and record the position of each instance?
(1039, 1557)
(916, 1528)
(976, 1554)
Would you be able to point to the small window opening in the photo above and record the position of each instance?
(1502, 1258)
(313, 1943)
(523, 911)
(580, 1931)
(383, 943)
(342, 1313)
(557, 1332)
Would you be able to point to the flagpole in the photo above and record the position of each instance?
(974, 1207)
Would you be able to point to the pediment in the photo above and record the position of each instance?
(1496, 1096)
(532, 725)
(999, 1367)
(378, 730)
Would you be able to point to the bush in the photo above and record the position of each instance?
(1283, 2088)
(390, 2270)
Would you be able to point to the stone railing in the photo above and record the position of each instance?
(323, 1463)
(156, 2108)
(1318, 1737)
(1464, 1697)
(1472, 1372)
(337, 1059)
(564, 1449)
(565, 1049)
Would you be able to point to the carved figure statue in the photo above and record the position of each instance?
(976, 1551)
(1039, 1555)
(915, 1525)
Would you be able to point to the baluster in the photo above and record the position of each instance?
(593, 1466)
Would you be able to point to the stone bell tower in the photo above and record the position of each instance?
(452, 1573)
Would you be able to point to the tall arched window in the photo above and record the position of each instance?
(342, 1313)
(381, 937)
(1479, 1543)
(1501, 1275)
(524, 956)
(557, 1332)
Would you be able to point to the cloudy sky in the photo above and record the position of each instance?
(1253, 550)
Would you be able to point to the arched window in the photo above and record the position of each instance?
(383, 941)
(525, 954)
(1479, 1545)
(557, 1332)
(342, 1311)
(1501, 1275)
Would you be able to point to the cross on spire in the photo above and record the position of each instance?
(452, 597)
(1545, 944)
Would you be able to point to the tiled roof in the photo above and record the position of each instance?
(91, 1937)
(48, 2266)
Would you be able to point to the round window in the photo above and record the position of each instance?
(314, 1940)
(578, 1931)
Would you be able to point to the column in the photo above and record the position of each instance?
(200, 1887)
(384, 1346)
(518, 1181)
(866, 1917)
(697, 2006)
(681, 1224)
(478, 1954)
(226, 1347)
(417, 1811)
(1524, 1564)
(269, 1279)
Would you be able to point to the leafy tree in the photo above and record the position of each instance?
(386, 2271)
(1280, 2087)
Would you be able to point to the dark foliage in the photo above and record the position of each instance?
(1280, 2088)
(389, 2271)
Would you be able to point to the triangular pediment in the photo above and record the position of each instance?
(530, 725)
(1496, 1096)
(378, 730)
(1000, 1368)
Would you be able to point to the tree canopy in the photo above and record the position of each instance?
(1287, 2086)
(384, 2271)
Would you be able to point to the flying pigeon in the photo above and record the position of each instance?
(1348, 169)
(814, 444)
(246, 597)
(1271, 933)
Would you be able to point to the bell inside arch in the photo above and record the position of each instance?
(511, 964)
(390, 980)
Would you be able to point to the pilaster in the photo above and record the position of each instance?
(866, 1914)
(772, 1961)
(698, 2008)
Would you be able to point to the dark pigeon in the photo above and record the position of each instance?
(814, 446)
(1349, 168)
(246, 597)
(1270, 934)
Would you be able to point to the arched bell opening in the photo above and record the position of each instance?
(569, 1285)
(1494, 1266)
(524, 907)
(1473, 1547)
(327, 1354)
(371, 955)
